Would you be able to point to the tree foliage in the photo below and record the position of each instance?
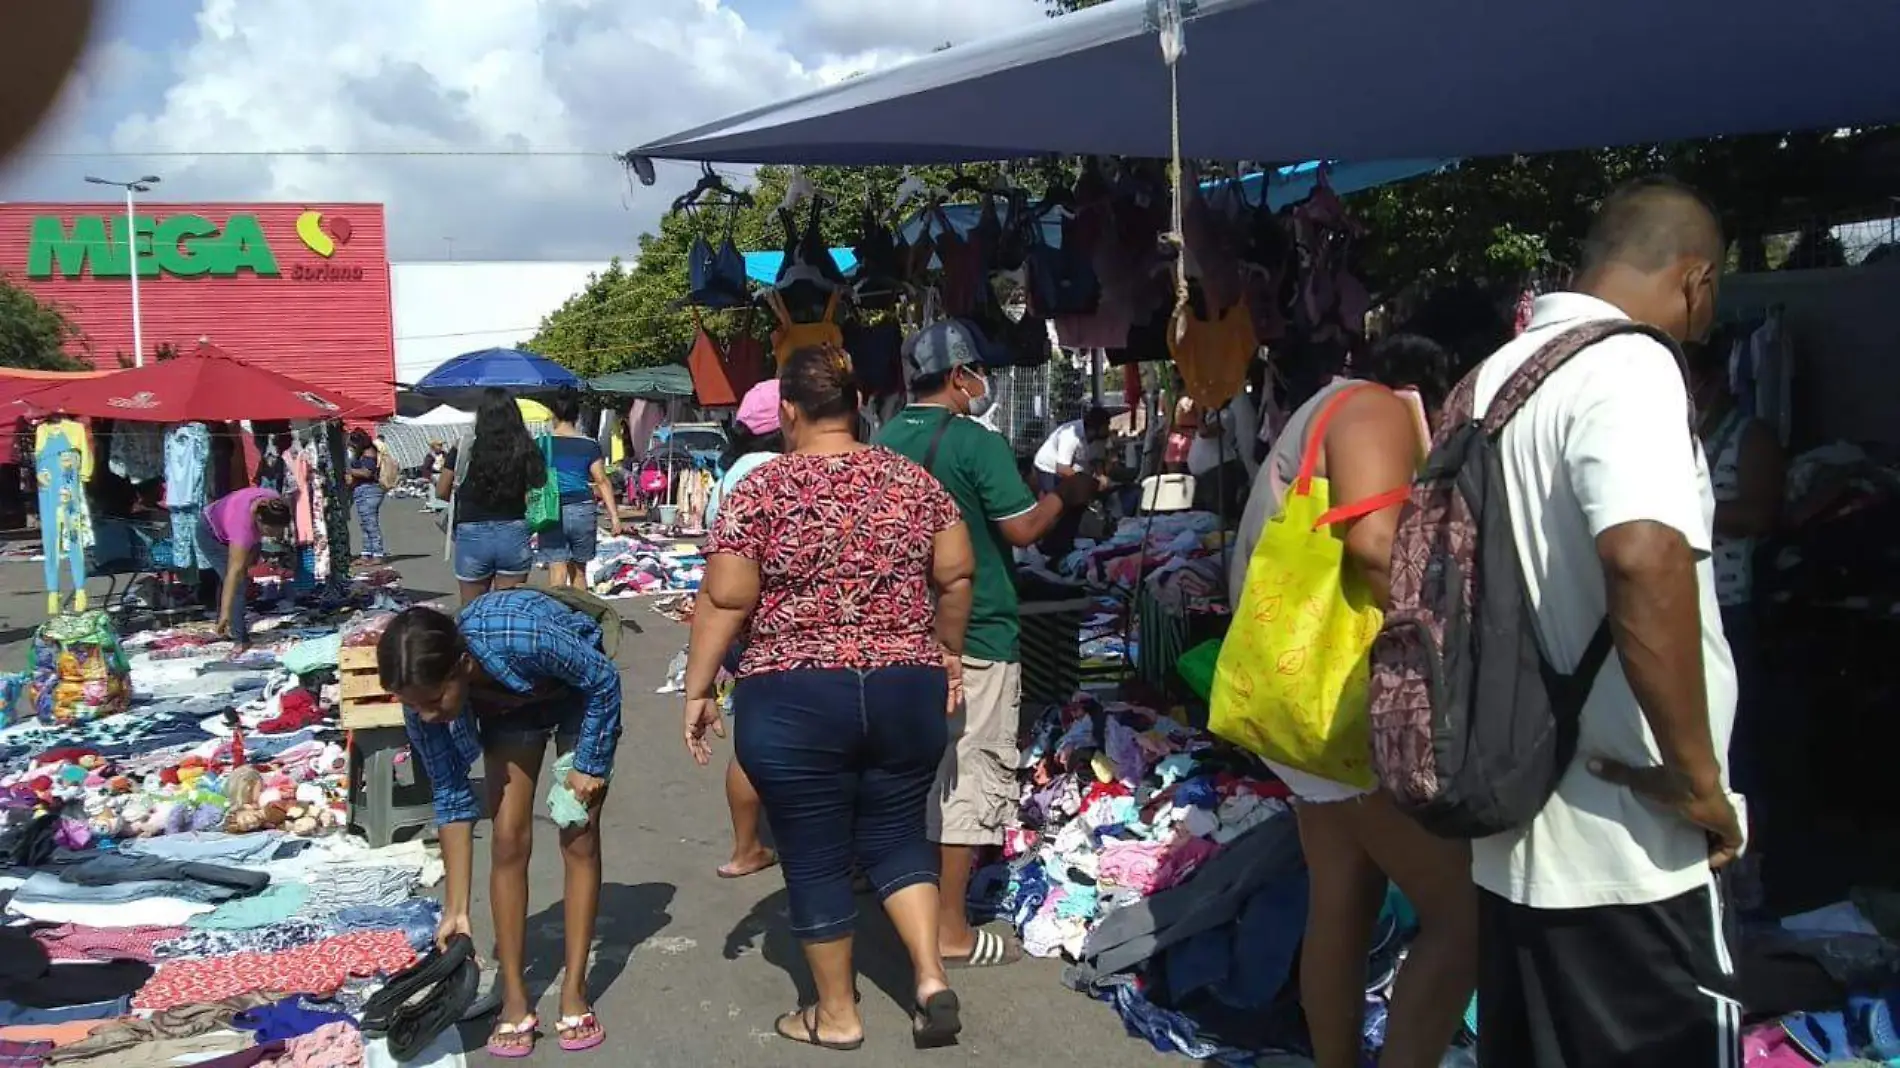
(34, 334)
(635, 316)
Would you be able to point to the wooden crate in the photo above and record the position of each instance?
(365, 704)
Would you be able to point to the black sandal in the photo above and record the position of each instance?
(938, 1021)
(808, 1019)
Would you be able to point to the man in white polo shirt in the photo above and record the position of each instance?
(1604, 939)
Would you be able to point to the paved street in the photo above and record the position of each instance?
(692, 969)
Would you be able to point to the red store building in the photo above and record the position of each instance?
(302, 288)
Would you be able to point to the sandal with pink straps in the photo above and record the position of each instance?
(581, 1032)
(513, 1040)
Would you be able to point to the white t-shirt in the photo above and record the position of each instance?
(1606, 441)
(1067, 447)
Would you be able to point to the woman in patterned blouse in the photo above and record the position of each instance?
(848, 569)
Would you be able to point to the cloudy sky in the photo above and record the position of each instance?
(254, 78)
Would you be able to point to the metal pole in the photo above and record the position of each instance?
(132, 258)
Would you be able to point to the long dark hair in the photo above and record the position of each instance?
(419, 648)
(1410, 361)
(744, 443)
(503, 462)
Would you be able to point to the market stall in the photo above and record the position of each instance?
(173, 863)
(1125, 821)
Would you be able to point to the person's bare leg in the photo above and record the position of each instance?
(472, 590)
(1441, 969)
(915, 913)
(508, 582)
(1346, 889)
(836, 1013)
(749, 855)
(955, 938)
(580, 861)
(512, 774)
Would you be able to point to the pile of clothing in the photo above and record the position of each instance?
(248, 949)
(1178, 553)
(177, 881)
(1823, 984)
(632, 566)
(1165, 867)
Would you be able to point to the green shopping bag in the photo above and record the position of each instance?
(544, 504)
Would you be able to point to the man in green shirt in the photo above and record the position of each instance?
(976, 785)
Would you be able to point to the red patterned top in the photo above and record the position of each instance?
(843, 545)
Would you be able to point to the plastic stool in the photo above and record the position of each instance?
(374, 788)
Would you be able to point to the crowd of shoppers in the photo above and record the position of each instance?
(862, 596)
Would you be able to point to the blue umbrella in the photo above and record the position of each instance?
(514, 370)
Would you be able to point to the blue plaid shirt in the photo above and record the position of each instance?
(521, 637)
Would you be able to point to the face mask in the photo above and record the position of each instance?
(270, 545)
(980, 405)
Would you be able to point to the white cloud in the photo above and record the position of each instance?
(474, 75)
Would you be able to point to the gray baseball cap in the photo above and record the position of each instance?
(944, 346)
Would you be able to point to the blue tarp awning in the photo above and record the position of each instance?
(1347, 80)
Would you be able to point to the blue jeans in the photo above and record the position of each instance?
(369, 513)
(214, 555)
(486, 549)
(574, 540)
(844, 762)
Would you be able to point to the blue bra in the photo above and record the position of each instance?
(716, 279)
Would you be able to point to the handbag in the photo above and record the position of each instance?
(544, 501)
(1291, 681)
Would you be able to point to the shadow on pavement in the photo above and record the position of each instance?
(878, 954)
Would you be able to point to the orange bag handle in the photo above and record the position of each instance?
(1310, 459)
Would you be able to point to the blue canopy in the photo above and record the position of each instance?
(515, 370)
(1348, 80)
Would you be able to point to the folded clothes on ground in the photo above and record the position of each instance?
(110, 869)
(183, 1021)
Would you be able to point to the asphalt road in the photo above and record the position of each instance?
(690, 970)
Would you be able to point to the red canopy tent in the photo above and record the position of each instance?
(208, 386)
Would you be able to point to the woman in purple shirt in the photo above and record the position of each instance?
(239, 523)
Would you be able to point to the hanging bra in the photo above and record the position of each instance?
(964, 277)
(879, 273)
(1213, 354)
(716, 279)
(789, 335)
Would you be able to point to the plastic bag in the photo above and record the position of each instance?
(80, 671)
(563, 806)
(544, 501)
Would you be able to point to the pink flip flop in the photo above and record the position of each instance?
(528, 1026)
(585, 1021)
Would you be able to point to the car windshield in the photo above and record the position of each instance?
(699, 440)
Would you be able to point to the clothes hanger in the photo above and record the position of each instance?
(711, 182)
(800, 190)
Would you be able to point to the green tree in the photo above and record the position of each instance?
(35, 334)
(627, 317)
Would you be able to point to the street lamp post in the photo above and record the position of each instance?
(140, 185)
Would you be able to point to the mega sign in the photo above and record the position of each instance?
(186, 246)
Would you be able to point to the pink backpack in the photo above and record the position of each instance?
(1472, 725)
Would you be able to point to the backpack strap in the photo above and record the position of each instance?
(930, 454)
(1556, 352)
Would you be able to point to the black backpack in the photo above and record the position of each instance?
(1471, 725)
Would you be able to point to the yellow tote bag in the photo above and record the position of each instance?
(1291, 681)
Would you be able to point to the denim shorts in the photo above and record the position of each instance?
(559, 718)
(486, 549)
(574, 540)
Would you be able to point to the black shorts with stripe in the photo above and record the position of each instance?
(1618, 986)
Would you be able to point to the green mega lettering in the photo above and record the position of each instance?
(187, 246)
